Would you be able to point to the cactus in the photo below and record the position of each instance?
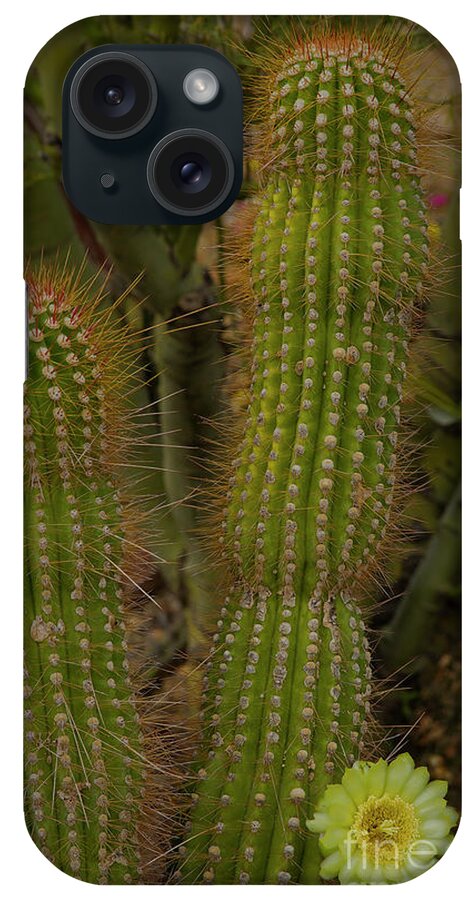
(85, 755)
(338, 251)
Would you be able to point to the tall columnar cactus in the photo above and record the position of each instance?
(337, 255)
(84, 754)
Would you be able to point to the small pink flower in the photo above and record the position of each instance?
(437, 201)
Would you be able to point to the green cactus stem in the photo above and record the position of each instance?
(336, 262)
(85, 764)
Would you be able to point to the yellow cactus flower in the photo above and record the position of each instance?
(384, 823)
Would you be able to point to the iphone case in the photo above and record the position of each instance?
(254, 422)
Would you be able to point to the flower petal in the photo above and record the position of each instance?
(366, 873)
(332, 838)
(442, 844)
(432, 791)
(354, 782)
(319, 823)
(398, 773)
(415, 784)
(330, 865)
(351, 863)
(432, 809)
(335, 793)
(434, 828)
(452, 816)
(376, 777)
(347, 875)
(342, 813)
(393, 874)
(409, 871)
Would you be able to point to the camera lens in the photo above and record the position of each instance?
(113, 95)
(190, 172)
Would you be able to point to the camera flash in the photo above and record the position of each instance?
(200, 86)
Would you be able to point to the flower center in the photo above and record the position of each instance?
(384, 829)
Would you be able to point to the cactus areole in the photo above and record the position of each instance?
(337, 259)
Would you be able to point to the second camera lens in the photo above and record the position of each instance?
(190, 172)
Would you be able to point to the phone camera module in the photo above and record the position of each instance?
(152, 134)
(113, 95)
(190, 172)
